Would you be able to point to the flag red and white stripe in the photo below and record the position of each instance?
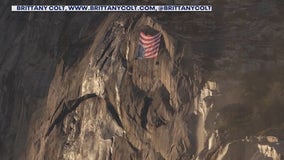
(150, 44)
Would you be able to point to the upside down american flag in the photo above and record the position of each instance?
(148, 46)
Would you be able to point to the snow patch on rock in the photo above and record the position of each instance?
(223, 152)
(201, 109)
(268, 151)
(93, 82)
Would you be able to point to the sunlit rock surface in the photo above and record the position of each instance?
(215, 92)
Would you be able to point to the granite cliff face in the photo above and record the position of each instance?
(71, 88)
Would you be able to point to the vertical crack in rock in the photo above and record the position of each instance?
(114, 114)
(144, 111)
